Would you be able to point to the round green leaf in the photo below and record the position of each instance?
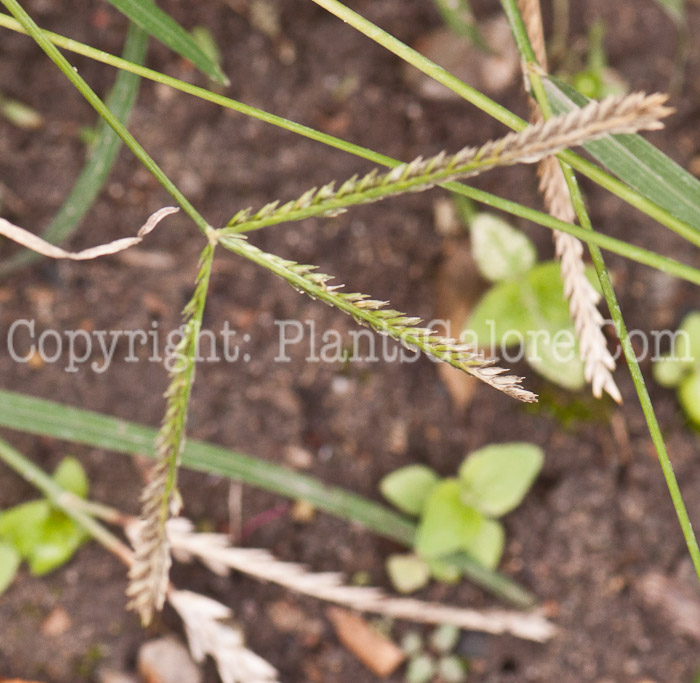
(689, 397)
(501, 252)
(408, 488)
(496, 478)
(670, 370)
(452, 670)
(9, 564)
(71, 476)
(421, 669)
(412, 644)
(444, 571)
(515, 312)
(59, 538)
(22, 525)
(487, 546)
(552, 346)
(444, 638)
(408, 573)
(555, 356)
(546, 300)
(688, 344)
(447, 524)
(501, 317)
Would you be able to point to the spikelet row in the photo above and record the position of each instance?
(148, 575)
(376, 315)
(618, 114)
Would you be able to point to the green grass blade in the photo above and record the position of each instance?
(47, 418)
(674, 8)
(525, 48)
(164, 28)
(639, 164)
(584, 166)
(98, 166)
(501, 114)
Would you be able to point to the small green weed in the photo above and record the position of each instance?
(459, 514)
(434, 659)
(680, 367)
(596, 79)
(39, 533)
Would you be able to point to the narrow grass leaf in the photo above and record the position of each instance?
(164, 28)
(674, 8)
(49, 418)
(637, 163)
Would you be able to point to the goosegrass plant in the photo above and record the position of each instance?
(637, 173)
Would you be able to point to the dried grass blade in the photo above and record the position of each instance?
(214, 551)
(40, 246)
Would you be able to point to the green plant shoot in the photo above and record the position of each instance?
(38, 533)
(459, 514)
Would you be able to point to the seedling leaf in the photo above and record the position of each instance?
(164, 28)
(421, 669)
(22, 525)
(9, 564)
(689, 342)
(447, 524)
(71, 476)
(444, 571)
(533, 310)
(60, 538)
(444, 638)
(46, 538)
(499, 318)
(408, 488)
(408, 573)
(689, 396)
(556, 358)
(452, 669)
(487, 546)
(496, 478)
(684, 354)
(670, 370)
(501, 252)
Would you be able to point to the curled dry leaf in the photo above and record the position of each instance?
(35, 243)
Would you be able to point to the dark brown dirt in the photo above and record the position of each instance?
(594, 524)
